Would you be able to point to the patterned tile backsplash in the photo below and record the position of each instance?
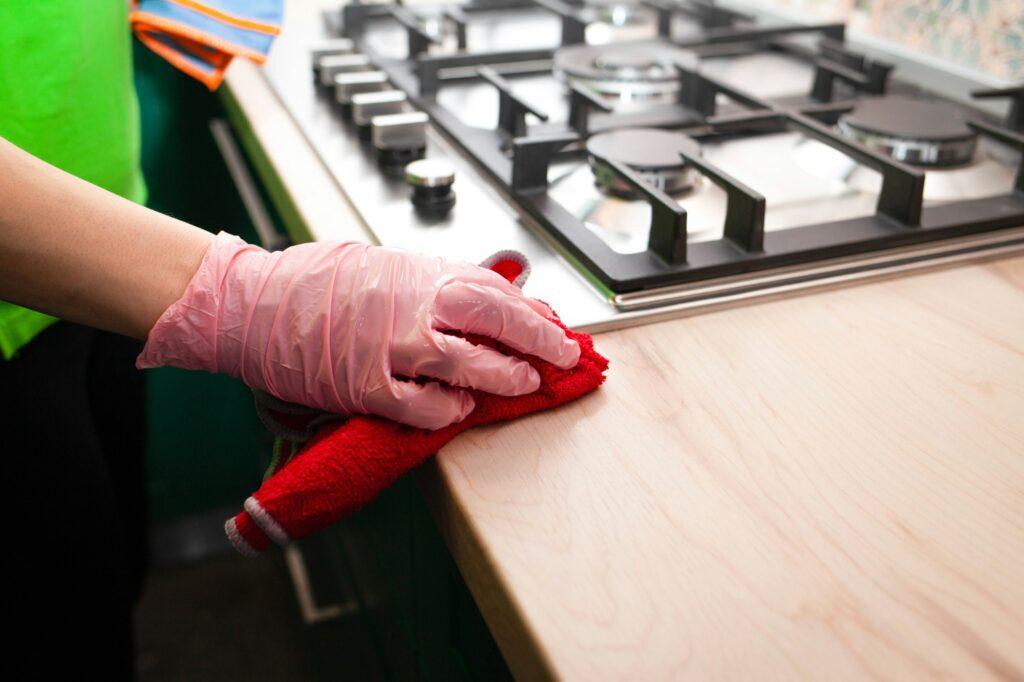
(983, 35)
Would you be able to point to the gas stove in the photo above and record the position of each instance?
(651, 157)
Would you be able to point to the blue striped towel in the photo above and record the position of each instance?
(201, 38)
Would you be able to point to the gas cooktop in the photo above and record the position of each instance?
(650, 156)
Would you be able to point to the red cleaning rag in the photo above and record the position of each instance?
(345, 466)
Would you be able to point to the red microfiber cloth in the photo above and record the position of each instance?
(346, 465)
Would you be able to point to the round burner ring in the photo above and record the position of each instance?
(634, 73)
(635, 66)
(651, 152)
(913, 131)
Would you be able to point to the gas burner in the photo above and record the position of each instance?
(774, 201)
(913, 131)
(634, 74)
(652, 153)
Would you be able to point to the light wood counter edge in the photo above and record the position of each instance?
(524, 653)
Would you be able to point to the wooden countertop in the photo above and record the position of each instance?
(823, 486)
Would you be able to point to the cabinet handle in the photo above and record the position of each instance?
(270, 238)
(311, 612)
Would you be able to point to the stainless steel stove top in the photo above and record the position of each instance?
(501, 97)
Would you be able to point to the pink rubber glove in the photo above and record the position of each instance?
(341, 327)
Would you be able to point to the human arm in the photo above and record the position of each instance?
(342, 327)
(81, 253)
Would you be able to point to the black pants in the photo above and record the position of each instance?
(72, 421)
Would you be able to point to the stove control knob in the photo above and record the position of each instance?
(399, 139)
(330, 47)
(347, 85)
(366, 105)
(333, 64)
(431, 181)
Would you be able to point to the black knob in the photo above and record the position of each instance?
(348, 84)
(431, 181)
(328, 48)
(333, 65)
(399, 139)
(367, 105)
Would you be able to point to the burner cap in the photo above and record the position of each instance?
(619, 12)
(651, 152)
(912, 130)
(600, 4)
(632, 65)
(643, 148)
(641, 71)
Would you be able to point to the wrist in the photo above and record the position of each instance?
(168, 279)
(188, 333)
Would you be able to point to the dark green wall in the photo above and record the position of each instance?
(203, 435)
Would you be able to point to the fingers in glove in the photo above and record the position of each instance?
(496, 281)
(479, 309)
(427, 406)
(461, 363)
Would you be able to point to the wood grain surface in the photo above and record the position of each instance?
(829, 486)
(823, 487)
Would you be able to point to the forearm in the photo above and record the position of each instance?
(80, 253)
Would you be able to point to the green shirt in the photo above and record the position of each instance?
(66, 96)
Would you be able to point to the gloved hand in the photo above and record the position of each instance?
(343, 327)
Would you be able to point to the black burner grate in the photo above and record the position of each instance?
(517, 155)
